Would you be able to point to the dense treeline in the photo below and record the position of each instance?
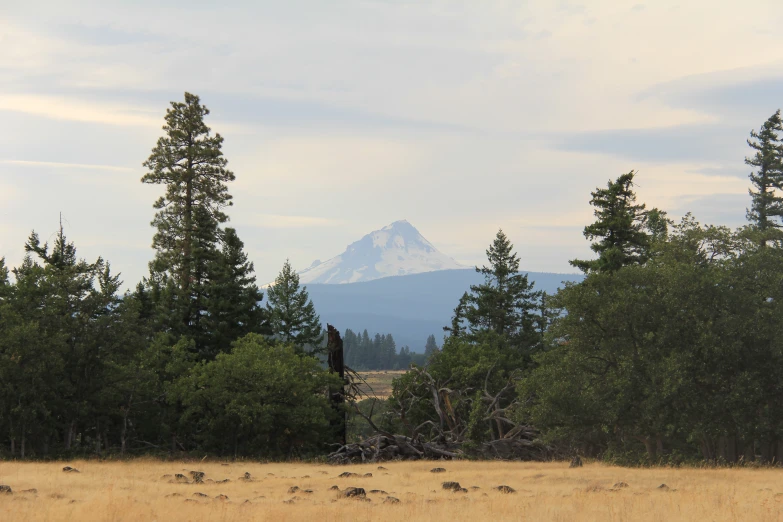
(189, 360)
(379, 352)
(668, 350)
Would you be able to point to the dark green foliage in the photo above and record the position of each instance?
(292, 316)
(378, 353)
(262, 399)
(505, 305)
(200, 280)
(619, 228)
(766, 208)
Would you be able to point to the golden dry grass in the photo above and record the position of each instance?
(134, 491)
(380, 382)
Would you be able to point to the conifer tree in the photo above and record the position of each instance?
(232, 297)
(619, 228)
(431, 347)
(505, 304)
(189, 162)
(290, 311)
(766, 204)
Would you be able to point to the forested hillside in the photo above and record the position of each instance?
(666, 349)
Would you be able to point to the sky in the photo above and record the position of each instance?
(342, 117)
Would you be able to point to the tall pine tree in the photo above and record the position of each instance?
(199, 278)
(766, 204)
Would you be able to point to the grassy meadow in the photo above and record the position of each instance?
(379, 383)
(136, 491)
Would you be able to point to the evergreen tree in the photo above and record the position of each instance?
(291, 313)
(766, 204)
(504, 305)
(189, 162)
(232, 297)
(431, 347)
(619, 228)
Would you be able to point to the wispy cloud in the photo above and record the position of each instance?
(58, 165)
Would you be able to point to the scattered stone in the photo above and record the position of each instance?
(438, 470)
(663, 487)
(506, 489)
(222, 498)
(378, 492)
(191, 500)
(381, 468)
(31, 491)
(347, 474)
(391, 500)
(288, 501)
(576, 462)
(293, 489)
(179, 478)
(620, 485)
(460, 490)
(6, 490)
(270, 474)
(173, 495)
(308, 491)
(200, 495)
(334, 488)
(224, 481)
(69, 469)
(246, 502)
(453, 486)
(474, 487)
(246, 477)
(305, 476)
(198, 476)
(353, 492)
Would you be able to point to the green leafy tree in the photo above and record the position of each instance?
(262, 399)
(291, 313)
(766, 203)
(431, 347)
(619, 228)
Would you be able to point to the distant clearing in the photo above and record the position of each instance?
(137, 491)
(380, 382)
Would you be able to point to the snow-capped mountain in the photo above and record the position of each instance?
(398, 249)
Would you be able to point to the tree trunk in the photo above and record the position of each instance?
(69, 436)
(22, 446)
(659, 444)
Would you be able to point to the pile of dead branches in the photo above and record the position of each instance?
(445, 436)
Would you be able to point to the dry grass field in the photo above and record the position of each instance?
(136, 491)
(380, 382)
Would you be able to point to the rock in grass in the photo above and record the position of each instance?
(576, 462)
(381, 468)
(663, 487)
(222, 498)
(347, 474)
(31, 491)
(334, 488)
(200, 495)
(391, 500)
(620, 485)
(506, 489)
(6, 490)
(438, 470)
(353, 493)
(377, 492)
(69, 469)
(451, 486)
(293, 489)
(179, 478)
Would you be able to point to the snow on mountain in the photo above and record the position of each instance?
(397, 249)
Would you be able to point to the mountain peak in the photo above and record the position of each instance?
(396, 249)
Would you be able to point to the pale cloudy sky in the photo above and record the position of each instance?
(340, 117)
